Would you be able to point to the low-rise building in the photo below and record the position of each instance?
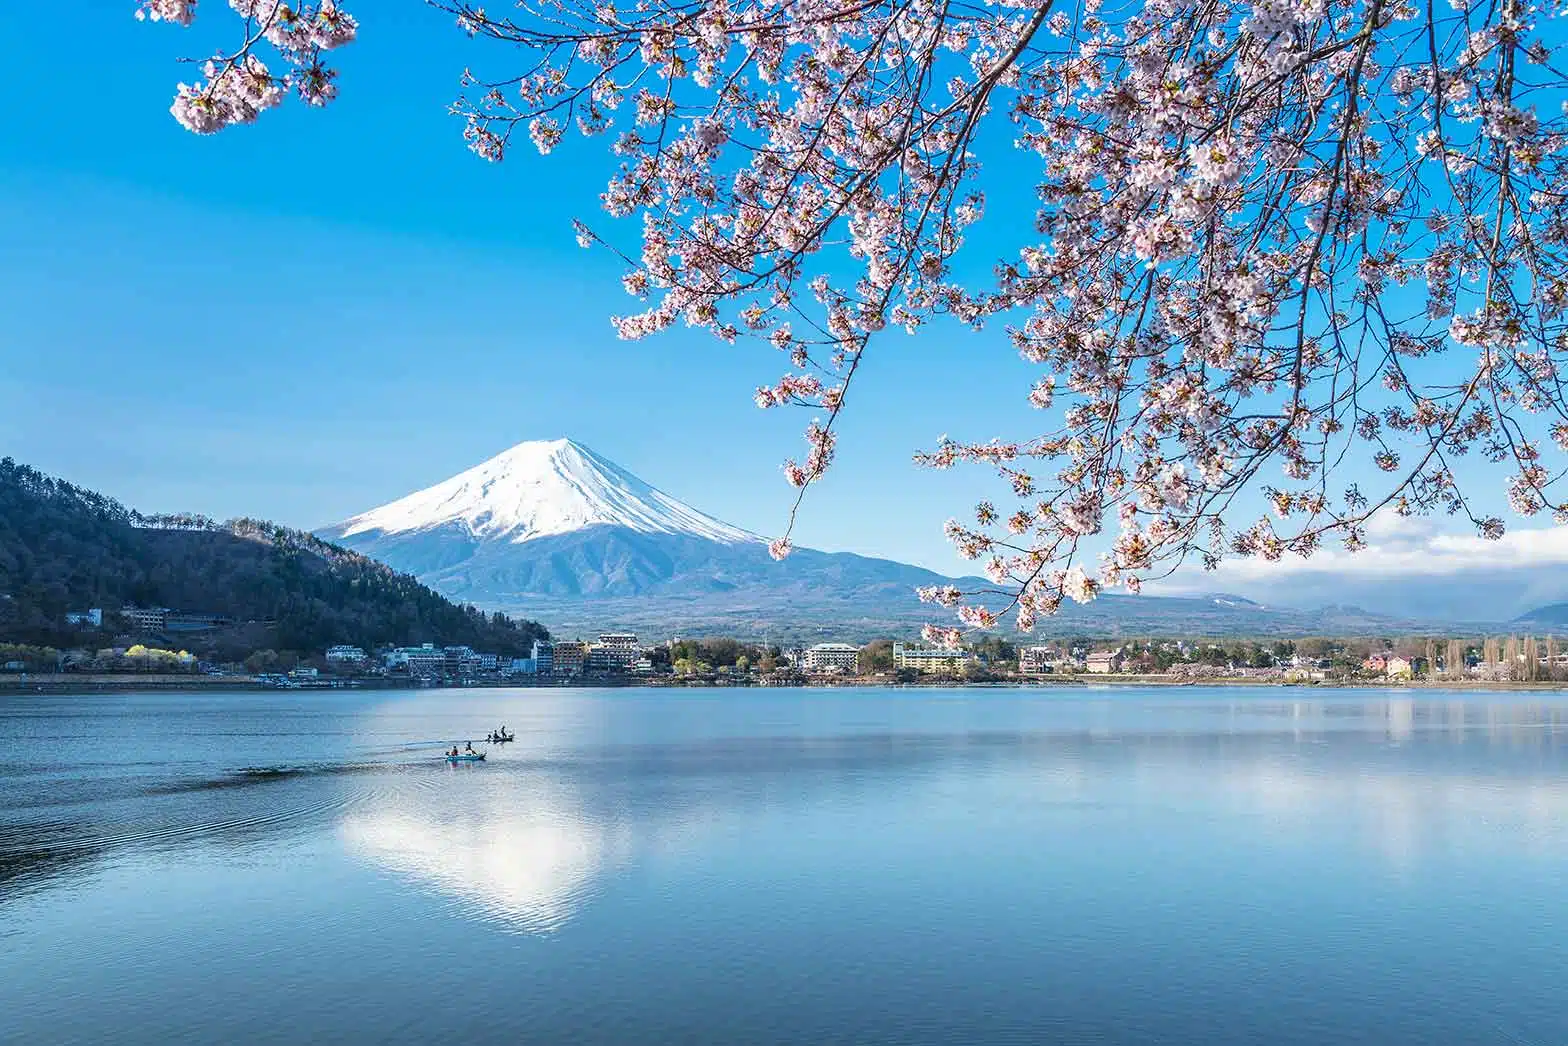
(521, 666)
(423, 660)
(193, 621)
(345, 655)
(85, 618)
(830, 657)
(1398, 668)
(569, 658)
(1036, 661)
(144, 619)
(929, 660)
(1103, 662)
(461, 660)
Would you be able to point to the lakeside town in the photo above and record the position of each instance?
(622, 658)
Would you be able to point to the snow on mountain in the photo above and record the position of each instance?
(538, 489)
(554, 532)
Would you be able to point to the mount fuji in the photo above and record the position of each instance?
(555, 528)
(554, 531)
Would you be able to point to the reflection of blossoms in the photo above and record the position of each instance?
(1274, 241)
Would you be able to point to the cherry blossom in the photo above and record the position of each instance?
(239, 86)
(1298, 258)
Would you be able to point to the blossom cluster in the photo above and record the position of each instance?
(239, 86)
(1303, 254)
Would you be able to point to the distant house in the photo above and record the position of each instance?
(1376, 663)
(1398, 668)
(1102, 662)
(85, 618)
(1036, 661)
(522, 666)
(345, 655)
(304, 673)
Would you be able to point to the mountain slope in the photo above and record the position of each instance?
(555, 531)
(1552, 614)
(65, 548)
(539, 489)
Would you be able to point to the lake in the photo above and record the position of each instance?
(857, 867)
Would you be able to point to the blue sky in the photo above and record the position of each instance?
(310, 316)
(305, 318)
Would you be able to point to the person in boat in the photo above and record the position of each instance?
(468, 747)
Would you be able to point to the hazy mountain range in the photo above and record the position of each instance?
(554, 531)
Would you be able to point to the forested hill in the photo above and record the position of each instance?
(65, 548)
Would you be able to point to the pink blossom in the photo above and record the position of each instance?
(180, 12)
(1078, 586)
(1270, 242)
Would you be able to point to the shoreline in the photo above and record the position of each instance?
(114, 683)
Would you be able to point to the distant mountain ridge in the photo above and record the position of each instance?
(1551, 614)
(65, 548)
(555, 531)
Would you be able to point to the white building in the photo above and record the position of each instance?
(1036, 661)
(88, 618)
(615, 652)
(830, 657)
(926, 659)
(421, 660)
(345, 655)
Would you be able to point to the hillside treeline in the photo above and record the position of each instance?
(66, 548)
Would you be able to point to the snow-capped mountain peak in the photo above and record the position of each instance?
(537, 489)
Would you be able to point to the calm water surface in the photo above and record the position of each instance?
(816, 867)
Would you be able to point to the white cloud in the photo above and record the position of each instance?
(1396, 547)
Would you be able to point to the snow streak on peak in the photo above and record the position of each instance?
(540, 488)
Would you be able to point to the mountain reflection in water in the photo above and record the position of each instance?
(524, 856)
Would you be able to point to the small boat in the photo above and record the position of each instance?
(501, 739)
(466, 757)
